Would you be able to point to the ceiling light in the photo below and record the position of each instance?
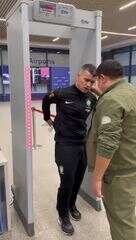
(119, 34)
(131, 28)
(127, 5)
(2, 20)
(104, 37)
(55, 39)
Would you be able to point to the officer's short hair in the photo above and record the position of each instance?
(90, 68)
(110, 68)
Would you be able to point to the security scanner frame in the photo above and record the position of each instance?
(43, 18)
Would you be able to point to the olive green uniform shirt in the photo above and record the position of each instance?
(113, 132)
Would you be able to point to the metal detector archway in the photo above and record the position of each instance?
(42, 18)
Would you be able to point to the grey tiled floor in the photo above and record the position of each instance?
(93, 224)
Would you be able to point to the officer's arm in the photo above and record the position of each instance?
(110, 116)
(101, 164)
(48, 99)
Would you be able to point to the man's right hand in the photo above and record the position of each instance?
(50, 122)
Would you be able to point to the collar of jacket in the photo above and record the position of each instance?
(80, 92)
(118, 82)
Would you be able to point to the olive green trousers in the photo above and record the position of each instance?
(120, 204)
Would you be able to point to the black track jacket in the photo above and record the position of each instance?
(72, 108)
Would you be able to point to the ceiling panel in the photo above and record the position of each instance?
(5, 7)
(113, 19)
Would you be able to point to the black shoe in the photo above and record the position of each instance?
(75, 214)
(66, 225)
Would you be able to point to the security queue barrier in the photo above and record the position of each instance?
(34, 110)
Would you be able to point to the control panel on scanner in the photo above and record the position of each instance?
(52, 12)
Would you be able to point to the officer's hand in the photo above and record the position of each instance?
(50, 123)
(97, 187)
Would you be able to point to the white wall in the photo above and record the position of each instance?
(39, 60)
(53, 59)
(133, 78)
(123, 59)
(60, 60)
(5, 57)
(134, 58)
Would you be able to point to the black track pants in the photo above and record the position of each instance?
(71, 161)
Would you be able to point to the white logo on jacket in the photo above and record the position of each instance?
(61, 169)
(105, 120)
(88, 103)
(68, 102)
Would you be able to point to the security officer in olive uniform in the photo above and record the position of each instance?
(73, 106)
(111, 150)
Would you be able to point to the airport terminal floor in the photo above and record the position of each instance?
(93, 225)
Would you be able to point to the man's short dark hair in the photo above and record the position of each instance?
(110, 68)
(90, 68)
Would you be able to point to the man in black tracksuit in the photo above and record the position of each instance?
(73, 106)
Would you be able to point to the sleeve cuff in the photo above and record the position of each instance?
(105, 153)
